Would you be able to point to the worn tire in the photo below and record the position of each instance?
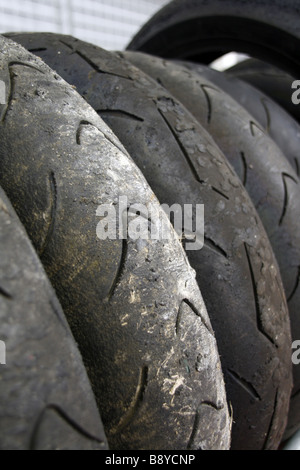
(268, 177)
(201, 31)
(183, 165)
(275, 119)
(134, 305)
(270, 80)
(46, 400)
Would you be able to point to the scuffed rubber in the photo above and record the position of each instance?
(267, 175)
(270, 80)
(236, 269)
(275, 118)
(203, 30)
(46, 400)
(134, 306)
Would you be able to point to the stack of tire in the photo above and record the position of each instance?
(141, 344)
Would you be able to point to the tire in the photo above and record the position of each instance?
(183, 165)
(275, 120)
(134, 306)
(268, 177)
(46, 399)
(202, 31)
(270, 80)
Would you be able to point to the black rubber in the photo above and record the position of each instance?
(183, 165)
(134, 306)
(202, 31)
(275, 119)
(268, 177)
(46, 400)
(272, 81)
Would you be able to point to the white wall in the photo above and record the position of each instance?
(107, 23)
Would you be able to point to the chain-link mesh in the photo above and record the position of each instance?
(107, 23)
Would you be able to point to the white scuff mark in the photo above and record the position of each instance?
(123, 320)
(163, 364)
(133, 297)
(173, 384)
(177, 384)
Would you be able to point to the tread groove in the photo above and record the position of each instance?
(24, 64)
(272, 420)
(215, 247)
(178, 320)
(285, 201)
(256, 298)
(75, 426)
(93, 65)
(136, 402)
(220, 193)
(38, 49)
(209, 103)
(5, 294)
(253, 125)
(247, 386)
(86, 123)
(197, 422)
(245, 166)
(194, 431)
(286, 195)
(119, 113)
(182, 148)
(78, 133)
(120, 270)
(53, 210)
(213, 405)
(197, 313)
(295, 287)
(268, 114)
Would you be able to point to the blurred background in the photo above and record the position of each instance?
(107, 23)
(110, 24)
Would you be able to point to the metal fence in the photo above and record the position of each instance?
(107, 23)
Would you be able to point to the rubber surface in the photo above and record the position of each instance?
(134, 306)
(202, 31)
(275, 119)
(268, 177)
(46, 400)
(270, 80)
(184, 166)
